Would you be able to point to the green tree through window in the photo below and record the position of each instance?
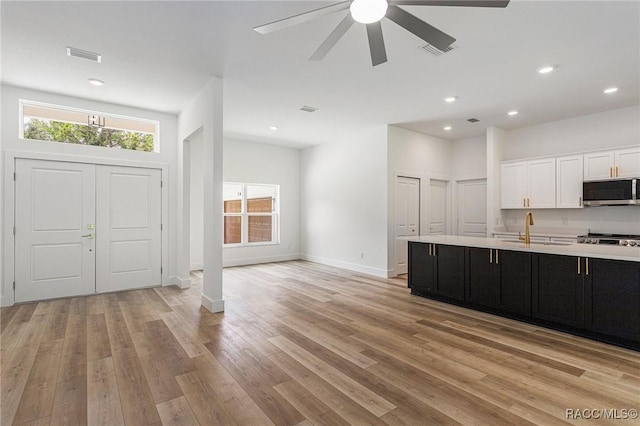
(58, 131)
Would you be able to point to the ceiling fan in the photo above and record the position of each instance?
(370, 12)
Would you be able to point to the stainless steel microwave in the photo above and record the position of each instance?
(616, 192)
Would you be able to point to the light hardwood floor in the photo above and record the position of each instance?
(298, 344)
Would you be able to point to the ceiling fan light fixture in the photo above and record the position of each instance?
(368, 11)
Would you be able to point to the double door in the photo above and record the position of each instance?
(85, 228)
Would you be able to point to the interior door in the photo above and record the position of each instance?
(407, 217)
(438, 207)
(55, 211)
(128, 218)
(472, 208)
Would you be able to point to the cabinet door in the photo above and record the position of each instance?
(512, 274)
(627, 162)
(450, 271)
(569, 177)
(613, 298)
(558, 289)
(598, 165)
(541, 183)
(422, 272)
(479, 284)
(513, 188)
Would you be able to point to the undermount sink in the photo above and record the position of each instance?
(541, 243)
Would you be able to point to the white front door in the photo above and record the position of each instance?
(472, 208)
(437, 207)
(407, 217)
(55, 211)
(129, 236)
(85, 228)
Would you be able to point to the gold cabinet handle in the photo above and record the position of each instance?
(617, 172)
(524, 202)
(580, 201)
(497, 258)
(578, 266)
(586, 266)
(435, 249)
(528, 202)
(490, 255)
(429, 249)
(610, 171)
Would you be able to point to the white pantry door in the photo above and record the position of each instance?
(55, 211)
(472, 208)
(407, 217)
(438, 207)
(128, 215)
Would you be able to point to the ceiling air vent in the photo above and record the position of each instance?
(308, 109)
(435, 51)
(473, 120)
(83, 54)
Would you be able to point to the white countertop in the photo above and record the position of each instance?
(602, 251)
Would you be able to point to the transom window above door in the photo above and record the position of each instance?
(251, 214)
(72, 125)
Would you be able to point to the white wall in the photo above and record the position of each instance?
(196, 221)
(469, 158)
(497, 139)
(343, 202)
(250, 162)
(605, 130)
(43, 149)
(414, 152)
(203, 115)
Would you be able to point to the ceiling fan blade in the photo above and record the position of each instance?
(428, 33)
(302, 17)
(376, 44)
(333, 38)
(463, 3)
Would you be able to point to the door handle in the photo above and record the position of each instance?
(89, 236)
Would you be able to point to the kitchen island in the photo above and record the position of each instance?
(587, 290)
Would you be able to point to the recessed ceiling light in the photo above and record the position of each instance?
(514, 112)
(447, 127)
(610, 90)
(96, 82)
(546, 69)
(273, 128)
(451, 99)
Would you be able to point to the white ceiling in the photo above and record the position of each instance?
(157, 55)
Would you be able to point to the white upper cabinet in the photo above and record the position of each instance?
(528, 184)
(513, 190)
(541, 183)
(627, 162)
(569, 177)
(612, 164)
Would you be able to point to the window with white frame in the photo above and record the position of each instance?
(72, 125)
(251, 214)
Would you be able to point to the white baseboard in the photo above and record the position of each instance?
(180, 282)
(378, 272)
(212, 305)
(196, 267)
(256, 260)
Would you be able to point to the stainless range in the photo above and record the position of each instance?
(615, 239)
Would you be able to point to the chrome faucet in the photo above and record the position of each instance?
(528, 220)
